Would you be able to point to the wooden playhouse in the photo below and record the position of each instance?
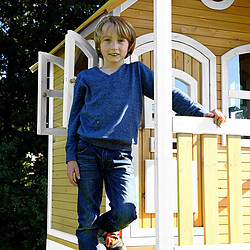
(210, 50)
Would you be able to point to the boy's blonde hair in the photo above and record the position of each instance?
(123, 28)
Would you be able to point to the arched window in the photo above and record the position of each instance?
(235, 80)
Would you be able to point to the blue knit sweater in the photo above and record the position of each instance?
(107, 109)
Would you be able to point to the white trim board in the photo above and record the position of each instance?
(52, 245)
(243, 246)
(204, 125)
(150, 186)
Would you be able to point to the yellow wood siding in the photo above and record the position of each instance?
(140, 15)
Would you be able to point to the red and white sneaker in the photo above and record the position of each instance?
(112, 241)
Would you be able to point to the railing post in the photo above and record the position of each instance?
(210, 189)
(234, 189)
(185, 189)
(163, 102)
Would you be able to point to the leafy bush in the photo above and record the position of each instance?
(23, 195)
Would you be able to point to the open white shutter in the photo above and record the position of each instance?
(73, 39)
(46, 94)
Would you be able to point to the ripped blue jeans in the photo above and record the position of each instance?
(115, 168)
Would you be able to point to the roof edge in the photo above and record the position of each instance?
(105, 9)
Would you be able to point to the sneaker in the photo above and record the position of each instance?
(112, 241)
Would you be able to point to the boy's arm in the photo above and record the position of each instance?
(184, 105)
(74, 121)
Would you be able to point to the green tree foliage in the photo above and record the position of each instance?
(27, 27)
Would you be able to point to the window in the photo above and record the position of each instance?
(236, 85)
(218, 4)
(79, 54)
(182, 81)
(49, 98)
(238, 79)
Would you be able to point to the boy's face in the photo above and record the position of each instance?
(113, 48)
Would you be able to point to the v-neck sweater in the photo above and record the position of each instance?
(107, 109)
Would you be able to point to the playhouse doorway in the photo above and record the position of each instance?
(192, 74)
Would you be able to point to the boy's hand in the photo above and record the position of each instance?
(73, 170)
(219, 117)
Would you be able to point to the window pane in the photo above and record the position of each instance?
(182, 86)
(238, 79)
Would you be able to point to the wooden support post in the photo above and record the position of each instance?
(163, 128)
(185, 189)
(210, 189)
(234, 189)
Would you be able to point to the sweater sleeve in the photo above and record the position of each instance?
(74, 121)
(181, 103)
(184, 105)
(147, 80)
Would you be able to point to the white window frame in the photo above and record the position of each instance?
(44, 92)
(225, 92)
(177, 74)
(145, 43)
(218, 5)
(73, 39)
(208, 63)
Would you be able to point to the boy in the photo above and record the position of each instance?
(104, 120)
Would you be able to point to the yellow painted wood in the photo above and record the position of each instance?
(65, 220)
(234, 179)
(59, 159)
(210, 192)
(64, 214)
(185, 189)
(71, 206)
(140, 14)
(197, 157)
(145, 5)
(212, 32)
(211, 15)
(187, 60)
(64, 197)
(179, 60)
(65, 190)
(211, 24)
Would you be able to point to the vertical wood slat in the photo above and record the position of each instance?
(210, 189)
(185, 189)
(234, 188)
